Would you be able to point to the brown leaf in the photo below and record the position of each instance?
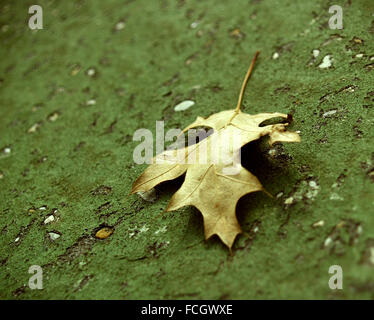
(214, 182)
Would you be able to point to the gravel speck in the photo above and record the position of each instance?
(184, 105)
(49, 219)
(326, 62)
(54, 236)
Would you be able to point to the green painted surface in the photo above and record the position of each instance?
(81, 163)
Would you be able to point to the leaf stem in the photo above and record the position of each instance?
(245, 82)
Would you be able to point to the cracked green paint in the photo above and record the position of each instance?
(72, 94)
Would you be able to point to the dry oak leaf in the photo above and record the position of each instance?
(214, 181)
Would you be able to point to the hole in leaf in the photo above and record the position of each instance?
(191, 137)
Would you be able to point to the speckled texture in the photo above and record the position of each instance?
(79, 161)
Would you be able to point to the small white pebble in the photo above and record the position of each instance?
(275, 55)
(184, 105)
(315, 53)
(194, 25)
(49, 219)
(279, 195)
(320, 223)
(91, 102)
(33, 128)
(197, 87)
(329, 113)
(327, 62)
(7, 150)
(255, 230)
(327, 242)
(372, 255)
(359, 55)
(53, 117)
(359, 229)
(54, 235)
(120, 25)
(16, 239)
(289, 200)
(43, 208)
(313, 184)
(91, 72)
